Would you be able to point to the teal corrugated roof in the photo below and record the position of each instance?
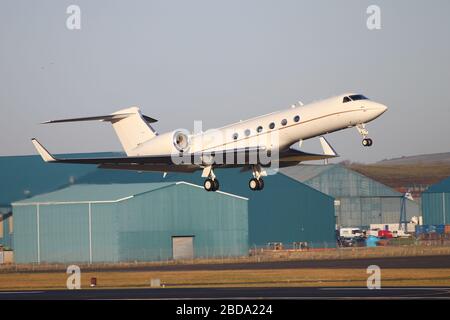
(95, 192)
(27, 176)
(339, 181)
(440, 187)
(305, 172)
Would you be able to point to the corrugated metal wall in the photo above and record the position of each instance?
(288, 211)
(138, 229)
(25, 234)
(218, 223)
(436, 208)
(285, 211)
(363, 201)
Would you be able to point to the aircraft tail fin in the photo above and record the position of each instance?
(132, 127)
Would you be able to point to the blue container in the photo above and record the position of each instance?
(371, 241)
(440, 229)
(421, 229)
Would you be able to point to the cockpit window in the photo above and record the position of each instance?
(346, 99)
(356, 97)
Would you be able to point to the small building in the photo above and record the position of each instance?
(129, 222)
(436, 203)
(359, 200)
(6, 228)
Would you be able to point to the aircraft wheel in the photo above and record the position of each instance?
(216, 185)
(253, 184)
(208, 184)
(367, 142)
(260, 184)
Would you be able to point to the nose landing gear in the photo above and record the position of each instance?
(367, 142)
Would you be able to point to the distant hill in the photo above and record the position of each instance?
(434, 158)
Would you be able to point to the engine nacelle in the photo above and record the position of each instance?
(175, 142)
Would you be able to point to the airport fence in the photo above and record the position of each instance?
(258, 254)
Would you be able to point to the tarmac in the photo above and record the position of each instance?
(289, 293)
(419, 262)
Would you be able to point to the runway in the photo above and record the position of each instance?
(288, 293)
(419, 262)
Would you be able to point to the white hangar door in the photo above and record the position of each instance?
(183, 247)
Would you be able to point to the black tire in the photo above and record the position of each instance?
(370, 142)
(253, 184)
(366, 142)
(216, 185)
(260, 184)
(208, 185)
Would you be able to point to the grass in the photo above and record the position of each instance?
(230, 278)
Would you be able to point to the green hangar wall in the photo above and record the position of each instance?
(360, 201)
(285, 211)
(436, 203)
(128, 222)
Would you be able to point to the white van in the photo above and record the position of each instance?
(350, 232)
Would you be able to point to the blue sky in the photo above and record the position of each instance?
(219, 62)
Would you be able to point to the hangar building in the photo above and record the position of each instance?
(359, 200)
(23, 177)
(436, 203)
(129, 222)
(286, 211)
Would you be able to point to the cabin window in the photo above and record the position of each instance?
(297, 118)
(272, 125)
(259, 129)
(235, 136)
(283, 122)
(247, 132)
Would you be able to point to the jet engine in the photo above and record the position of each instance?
(181, 141)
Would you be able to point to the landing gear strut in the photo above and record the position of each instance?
(211, 183)
(367, 142)
(257, 183)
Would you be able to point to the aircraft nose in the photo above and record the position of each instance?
(381, 108)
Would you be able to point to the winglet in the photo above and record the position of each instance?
(327, 148)
(46, 156)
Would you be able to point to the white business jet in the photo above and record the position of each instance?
(258, 144)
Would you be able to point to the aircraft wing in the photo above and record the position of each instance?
(295, 155)
(160, 163)
(192, 162)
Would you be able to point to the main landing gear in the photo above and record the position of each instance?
(257, 183)
(211, 183)
(367, 142)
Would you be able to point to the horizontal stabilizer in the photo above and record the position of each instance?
(107, 118)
